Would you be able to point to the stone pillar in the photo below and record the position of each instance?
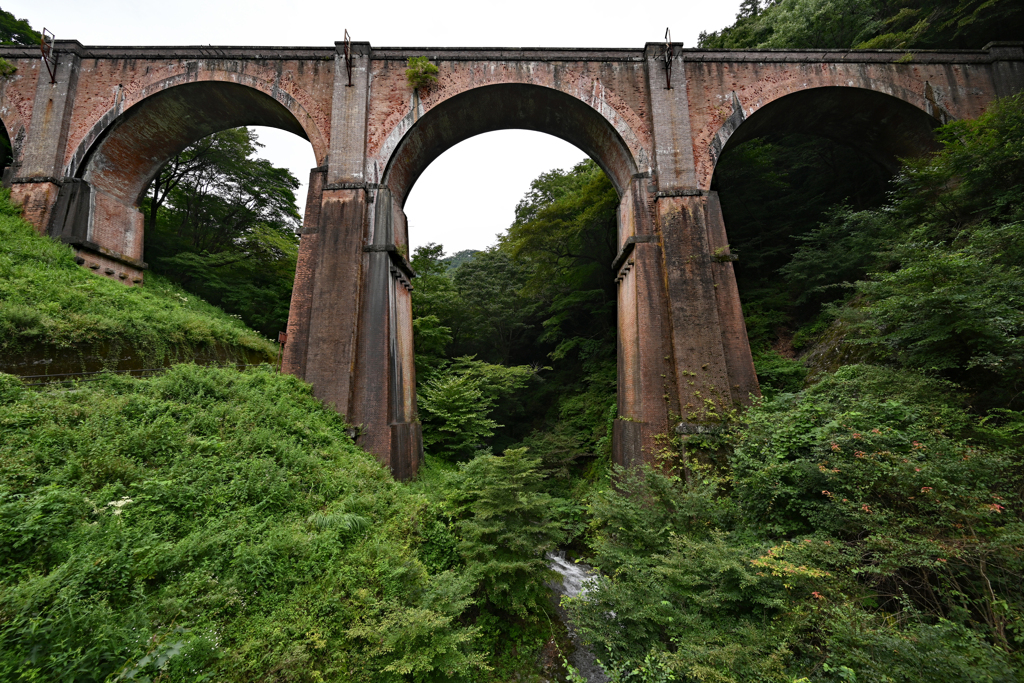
(1007, 67)
(383, 396)
(712, 367)
(702, 371)
(295, 349)
(347, 157)
(646, 393)
(331, 253)
(350, 324)
(336, 252)
(740, 362)
(42, 164)
(670, 116)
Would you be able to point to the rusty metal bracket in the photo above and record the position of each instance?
(348, 57)
(668, 59)
(49, 57)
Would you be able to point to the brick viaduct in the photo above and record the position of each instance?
(86, 145)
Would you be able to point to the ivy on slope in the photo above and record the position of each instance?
(210, 525)
(47, 301)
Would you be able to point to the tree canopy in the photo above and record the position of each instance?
(223, 223)
(15, 31)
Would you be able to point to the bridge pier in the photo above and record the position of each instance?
(350, 325)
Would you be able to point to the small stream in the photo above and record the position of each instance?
(574, 579)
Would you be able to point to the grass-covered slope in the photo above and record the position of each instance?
(209, 524)
(52, 309)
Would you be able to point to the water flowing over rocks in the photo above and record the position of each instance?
(574, 582)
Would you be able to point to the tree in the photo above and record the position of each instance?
(223, 223)
(903, 24)
(954, 303)
(512, 524)
(457, 401)
(17, 31)
(565, 229)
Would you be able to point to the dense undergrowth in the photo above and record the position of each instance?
(864, 527)
(48, 303)
(861, 523)
(209, 525)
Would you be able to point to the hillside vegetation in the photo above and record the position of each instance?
(864, 527)
(861, 523)
(51, 308)
(210, 525)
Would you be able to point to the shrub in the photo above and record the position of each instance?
(208, 524)
(421, 73)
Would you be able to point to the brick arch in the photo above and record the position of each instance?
(13, 119)
(883, 120)
(126, 147)
(422, 136)
(6, 132)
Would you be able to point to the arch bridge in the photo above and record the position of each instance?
(87, 141)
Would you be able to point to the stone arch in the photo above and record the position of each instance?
(125, 149)
(391, 427)
(886, 124)
(7, 151)
(423, 136)
(13, 119)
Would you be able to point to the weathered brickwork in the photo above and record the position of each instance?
(116, 115)
(36, 200)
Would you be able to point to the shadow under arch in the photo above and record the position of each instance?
(828, 147)
(6, 148)
(507, 106)
(880, 126)
(129, 152)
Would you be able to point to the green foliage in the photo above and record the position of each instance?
(513, 522)
(802, 24)
(839, 252)
(47, 302)
(421, 73)
(868, 524)
(479, 303)
(776, 373)
(17, 31)
(224, 225)
(6, 71)
(565, 228)
(544, 297)
(953, 301)
(781, 199)
(211, 525)
(455, 404)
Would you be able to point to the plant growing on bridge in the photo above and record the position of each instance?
(421, 73)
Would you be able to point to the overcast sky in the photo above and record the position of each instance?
(469, 194)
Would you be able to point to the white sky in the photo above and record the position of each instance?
(458, 209)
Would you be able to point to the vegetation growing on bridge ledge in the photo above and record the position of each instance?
(421, 72)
